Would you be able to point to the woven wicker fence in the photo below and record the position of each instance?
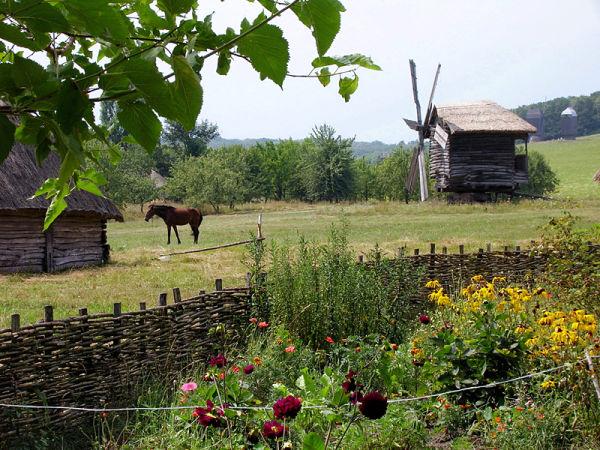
(97, 360)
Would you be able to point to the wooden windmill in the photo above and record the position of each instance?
(417, 163)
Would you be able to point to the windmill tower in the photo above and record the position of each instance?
(417, 164)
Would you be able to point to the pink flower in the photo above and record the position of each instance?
(248, 369)
(263, 324)
(287, 407)
(329, 339)
(189, 387)
(253, 320)
(290, 349)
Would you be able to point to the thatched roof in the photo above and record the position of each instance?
(20, 177)
(481, 117)
(597, 176)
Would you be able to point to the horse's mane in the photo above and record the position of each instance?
(162, 207)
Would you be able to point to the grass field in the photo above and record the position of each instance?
(136, 274)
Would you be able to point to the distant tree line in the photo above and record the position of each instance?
(321, 167)
(588, 114)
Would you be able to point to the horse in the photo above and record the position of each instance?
(176, 216)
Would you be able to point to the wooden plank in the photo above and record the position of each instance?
(440, 136)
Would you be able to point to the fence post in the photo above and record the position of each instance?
(361, 259)
(444, 250)
(489, 248)
(48, 313)
(15, 323)
(248, 280)
(142, 352)
(176, 295)
(201, 292)
(593, 374)
(117, 332)
(432, 248)
(218, 284)
(416, 252)
(461, 249)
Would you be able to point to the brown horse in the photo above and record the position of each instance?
(177, 216)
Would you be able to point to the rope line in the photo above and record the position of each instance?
(266, 408)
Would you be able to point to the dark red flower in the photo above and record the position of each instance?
(287, 407)
(218, 361)
(418, 363)
(349, 385)
(351, 374)
(424, 319)
(248, 369)
(273, 429)
(209, 416)
(373, 405)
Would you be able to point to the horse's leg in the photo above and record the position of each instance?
(168, 234)
(177, 234)
(196, 234)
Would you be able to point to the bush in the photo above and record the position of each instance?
(542, 179)
(319, 290)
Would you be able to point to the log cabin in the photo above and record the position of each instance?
(76, 239)
(473, 148)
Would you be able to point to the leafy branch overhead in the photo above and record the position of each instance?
(59, 59)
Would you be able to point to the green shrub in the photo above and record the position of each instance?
(542, 179)
(319, 290)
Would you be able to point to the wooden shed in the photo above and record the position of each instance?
(76, 239)
(473, 148)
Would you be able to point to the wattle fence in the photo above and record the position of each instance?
(96, 360)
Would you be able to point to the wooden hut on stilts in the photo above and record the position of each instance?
(76, 239)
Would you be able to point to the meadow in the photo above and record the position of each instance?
(137, 274)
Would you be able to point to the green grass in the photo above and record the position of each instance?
(136, 274)
(575, 163)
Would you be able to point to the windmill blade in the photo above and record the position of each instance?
(422, 176)
(412, 124)
(411, 177)
(430, 104)
(413, 75)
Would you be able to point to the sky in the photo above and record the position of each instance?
(513, 52)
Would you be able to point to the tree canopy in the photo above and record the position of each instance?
(60, 59)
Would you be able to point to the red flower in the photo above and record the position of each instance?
(235, 369)
(263, 324)
(218, 361)
(273, 429)
(209, 416)
(330, 339)
(350, 385)
(290, 349)
(253, 320)
(248, 369)
(394, 346)
(424, 319)
(373, 405)
(287, 407)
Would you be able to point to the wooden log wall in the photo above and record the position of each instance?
(97, 360)
(22, 243)
(72, 241)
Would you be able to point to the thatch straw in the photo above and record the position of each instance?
(482, 116)
(21, 176)
(597, 176)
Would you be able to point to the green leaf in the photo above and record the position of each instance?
(57, 206)
(175, 7)
(312, 441)
(187, 92)
(42, 17)
(324, 76)
(144, 75)
(355, 59)
(100, 18)
(89, 186)
(325, 18)
(224, 63)
(149, 18)
(71, 106)
(269, 5)
(139, 120)
(28, 74)
(348, 86)
(16, 36)
(7, 137)
(267, 50)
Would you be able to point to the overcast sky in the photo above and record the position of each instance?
(511, 51)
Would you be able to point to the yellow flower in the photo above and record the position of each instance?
(477, 279)
(498, 279)
(548, 384)
(433, 284)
